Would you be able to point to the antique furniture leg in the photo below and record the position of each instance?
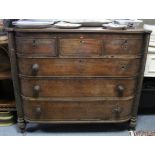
(21, 122)
(133, 119)
(21, 125)
(132, 124)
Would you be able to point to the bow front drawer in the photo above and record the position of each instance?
(77, 87)
(36, 46)
(78, 67)
(103, 110)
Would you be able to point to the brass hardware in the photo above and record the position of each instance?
(117, 110)
(35, 69)
(120, 90)
(124, 67)
(34, 43)
(36, 90)
(124, 45)
(81, 41)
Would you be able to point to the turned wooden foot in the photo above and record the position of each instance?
(132, 124)
(21, 125)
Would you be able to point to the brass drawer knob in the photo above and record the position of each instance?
(36, 90)
(120, 90)
(35, 69)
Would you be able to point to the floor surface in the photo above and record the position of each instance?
(145, 123)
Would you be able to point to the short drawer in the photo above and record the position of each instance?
(104, 110)
(78, 67)
(124, 46)
(77, 87)
(36, 46)
(80, 47)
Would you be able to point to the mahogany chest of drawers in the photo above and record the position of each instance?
(86, 75)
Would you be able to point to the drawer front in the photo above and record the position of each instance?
(77, 87)
(125, 46)
(36, 46)
(106, 110)
(78, 67)
(80, 47)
